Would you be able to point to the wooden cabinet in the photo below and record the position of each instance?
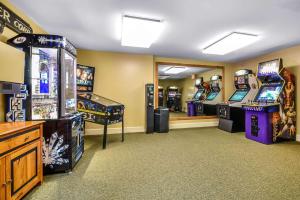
(2, 178)
(20, 159)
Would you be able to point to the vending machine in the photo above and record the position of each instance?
(149, 106)
(50, 77)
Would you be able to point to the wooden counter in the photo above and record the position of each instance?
(21, 166)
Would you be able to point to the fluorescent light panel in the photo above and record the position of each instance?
(230, 43)
(163, 76)
(140, 32)
(175, 70)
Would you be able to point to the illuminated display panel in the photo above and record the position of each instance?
(85, 78)
(269, 93)
(238, 95)
(198, 94)
(211, 96)
(268, 68)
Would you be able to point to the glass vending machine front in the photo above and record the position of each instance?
(69, 84)
(44, 82)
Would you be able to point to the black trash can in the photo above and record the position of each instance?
(161, 120)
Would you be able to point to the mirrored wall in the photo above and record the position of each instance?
(178, 85)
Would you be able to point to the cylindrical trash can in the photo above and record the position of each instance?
(161, 120)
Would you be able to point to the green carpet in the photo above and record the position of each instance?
(204, 163)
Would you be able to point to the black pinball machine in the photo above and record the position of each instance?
(50, 77)
(97, 109)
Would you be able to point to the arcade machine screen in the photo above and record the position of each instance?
(238, 95)
(211, 96)
(85, 78)
(198, 94)
(269, 93)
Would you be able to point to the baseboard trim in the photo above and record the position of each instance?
(194, 124)
(139, 129)
(99, 131)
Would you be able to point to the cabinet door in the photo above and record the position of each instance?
(2, 178)
(23, 170)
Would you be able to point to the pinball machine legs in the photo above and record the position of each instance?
(123, 129)
(105, 134)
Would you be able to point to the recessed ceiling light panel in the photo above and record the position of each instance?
(140, 32)
(175, 70)
(230, 43)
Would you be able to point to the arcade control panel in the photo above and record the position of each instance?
(261, 107)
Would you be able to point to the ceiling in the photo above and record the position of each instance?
(190, 25)
(185, 74)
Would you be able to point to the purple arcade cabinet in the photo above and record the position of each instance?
(198, 96)
(272, 114)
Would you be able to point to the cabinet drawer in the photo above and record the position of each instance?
(18, 140)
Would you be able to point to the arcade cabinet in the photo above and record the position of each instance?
(160, 96)
(50, 77)
(231, 114)
(149, 98)
(208, 106)
(271, 117)
(97, 109)
(198, 96)
(173, 99)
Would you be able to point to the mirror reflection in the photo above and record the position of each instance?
(186, 90)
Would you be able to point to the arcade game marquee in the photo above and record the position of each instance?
(208, 106)
(50, 68)
(231, 114)
(199, 96)
(272, 115)
(96, 109)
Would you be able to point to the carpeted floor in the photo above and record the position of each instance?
(204, 163)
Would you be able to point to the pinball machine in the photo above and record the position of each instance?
(271, 117)
(50, 77)
(97, 109)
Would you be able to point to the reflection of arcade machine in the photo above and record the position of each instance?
(198, 96)
(50, 77)
(97, 109)
(173, 99)
(231, 114)
(160, 96)
(208, 107)
(272, 115)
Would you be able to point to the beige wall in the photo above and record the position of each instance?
(7, 33)
(121, 77)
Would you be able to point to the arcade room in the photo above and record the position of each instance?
(149, 100)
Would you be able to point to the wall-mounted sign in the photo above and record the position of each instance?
(12, 21)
